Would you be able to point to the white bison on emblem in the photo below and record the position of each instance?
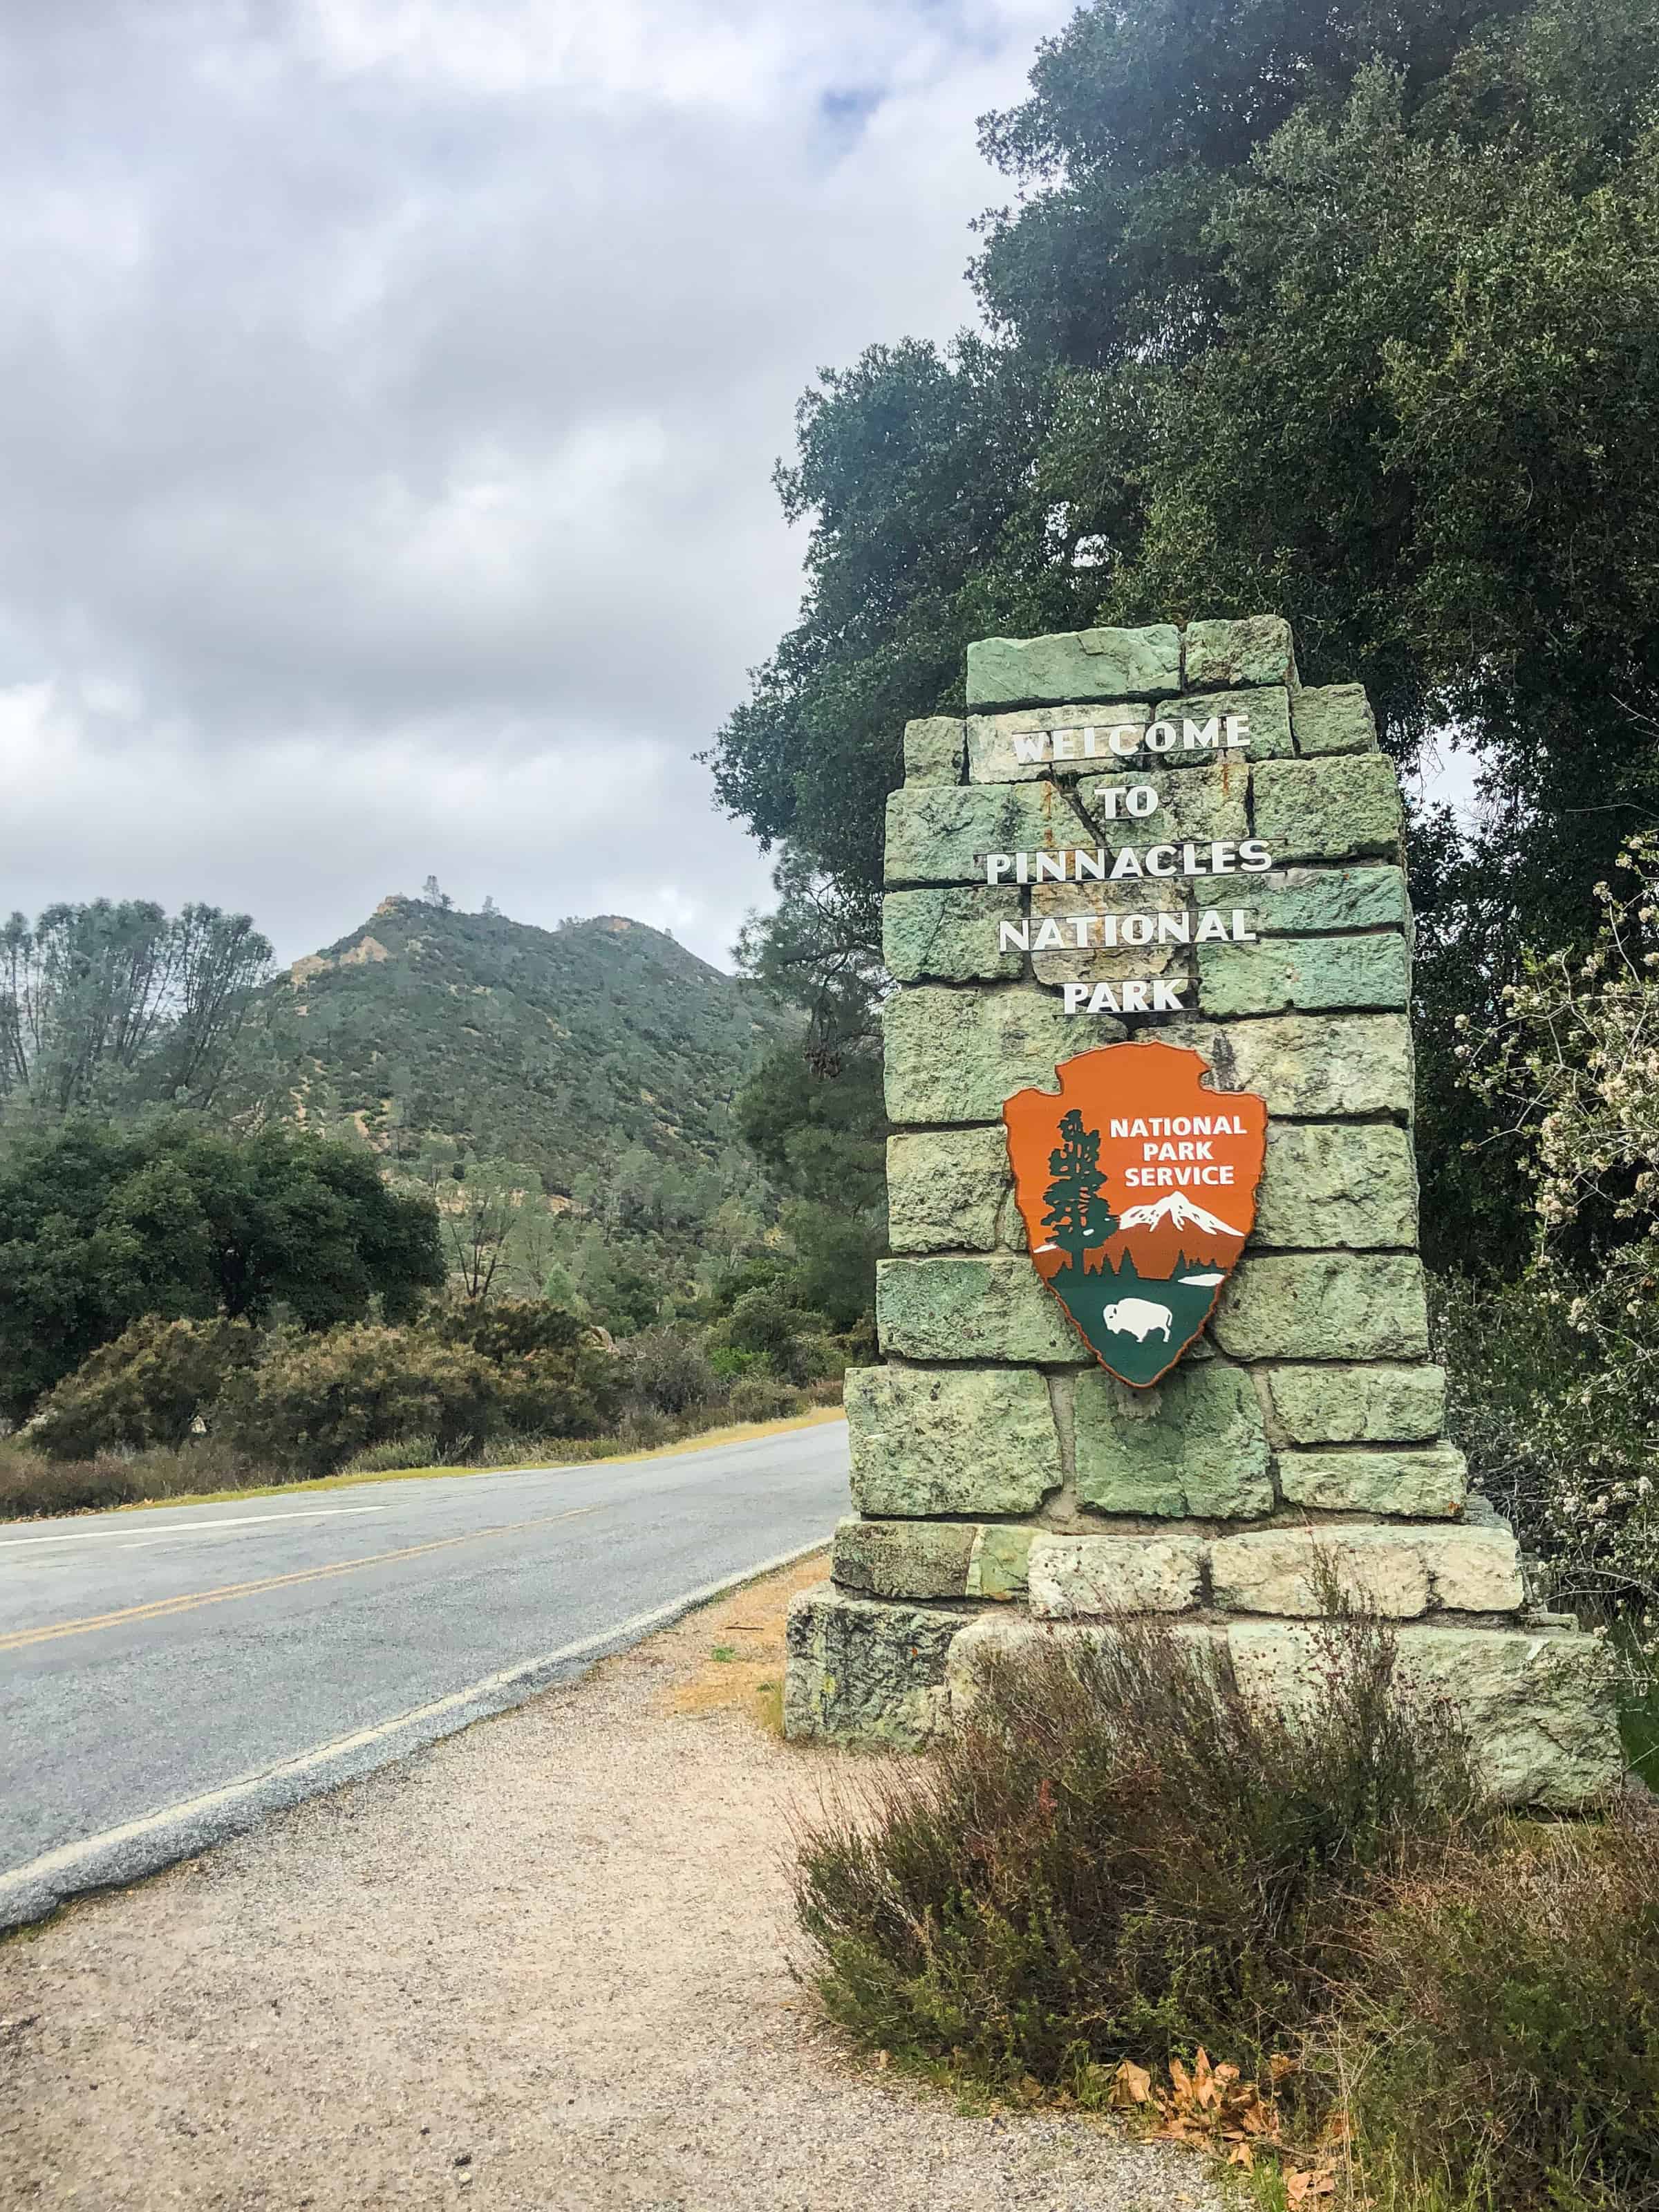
(1138, 1318)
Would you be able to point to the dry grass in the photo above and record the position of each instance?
(741, 1666)
(567, 1455)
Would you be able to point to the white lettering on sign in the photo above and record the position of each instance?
(1086, 933)
(1036, 748)
(1131, 998)
(1137, 798)
(1104, 930)
(1220, 857)
(1176, 1178)
(1033, 747)
(1182, 1125)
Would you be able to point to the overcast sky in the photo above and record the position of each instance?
(390, 394)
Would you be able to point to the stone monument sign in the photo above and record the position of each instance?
(1154, 1333)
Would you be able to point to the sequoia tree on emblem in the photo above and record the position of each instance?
(1137, 1188)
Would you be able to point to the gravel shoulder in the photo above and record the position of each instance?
(542, 1964)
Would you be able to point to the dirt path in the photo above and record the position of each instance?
(539, 1965)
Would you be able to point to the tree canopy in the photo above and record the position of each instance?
(100, 1225)
(1351, 315)
(117, 1005)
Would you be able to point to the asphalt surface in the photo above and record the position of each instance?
(169, 1676)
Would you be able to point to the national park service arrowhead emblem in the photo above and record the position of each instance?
(1137, 1190)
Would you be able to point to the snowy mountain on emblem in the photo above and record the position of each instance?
(1175, 1211)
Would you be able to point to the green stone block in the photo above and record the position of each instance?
(954, 1055)
(1347, 807)
(903, 1559)
(1193, 1444)
(1427, 1484)
(1379, 1570)
(957, 1440)
(1097, 962)
(1334, 718)
(1093, 1578)
(1323, 1305)
(949, 935)
(1336, 1405)
(1210, 800)
(1327, 1183)
(949, 1190)
(1538, 1707)
(1075, 665)
(1039, 741)
(1304, 1065)
(1254, 649)
(1310, 975)
(934, 750)
(1269, 710)
(999, 1564)
(992, 1641)
(938, 834)
(1313, 899)
(991, 1309)
(860, 1670)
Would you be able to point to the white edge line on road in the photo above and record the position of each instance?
(123, 1528)
(67, 1856)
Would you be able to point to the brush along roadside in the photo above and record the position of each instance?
(1121, 1862)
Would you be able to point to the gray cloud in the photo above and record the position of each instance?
(388, 394)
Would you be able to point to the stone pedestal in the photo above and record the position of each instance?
(1006, 1486)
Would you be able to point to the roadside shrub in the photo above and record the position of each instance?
(728, 1363)
(312, 1402)
(1510, 2023)
(552, 1376)
(391, 1458)
(511, 1329)
(670, 1373)
(793, 1342)
(147, 1388)
(758, 1397)
(1121, 1855)
(31, 1484)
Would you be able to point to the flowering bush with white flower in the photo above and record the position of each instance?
(1555, 1379)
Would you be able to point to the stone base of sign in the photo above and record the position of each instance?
(1007, 1488)
(1536, 1698)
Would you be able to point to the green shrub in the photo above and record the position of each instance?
(147, 1388)
(670, 1373)
(1559, 1438)
(1510, 2020)
(509, 1330)
(552, 1376)
(1121, 1856)
(762, 1398)
(312, 1402)
(793, 1342)
(391, 1458)
(729, 1364)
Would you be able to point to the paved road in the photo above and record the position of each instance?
(166, 1677)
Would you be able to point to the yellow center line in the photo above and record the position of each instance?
(157, 1607)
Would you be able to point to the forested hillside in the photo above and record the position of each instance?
(560, 1048)
(415, 1194)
